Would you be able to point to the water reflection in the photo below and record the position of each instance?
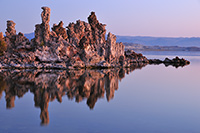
(48, 85)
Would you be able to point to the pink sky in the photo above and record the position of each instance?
(161, 18)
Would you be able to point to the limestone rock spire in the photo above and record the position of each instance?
(42, 31)
(10, 31)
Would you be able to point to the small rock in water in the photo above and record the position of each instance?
(176, 62)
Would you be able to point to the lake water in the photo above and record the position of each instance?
(149, 99)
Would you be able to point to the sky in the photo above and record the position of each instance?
(159, 18)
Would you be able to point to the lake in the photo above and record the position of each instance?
(142, 99)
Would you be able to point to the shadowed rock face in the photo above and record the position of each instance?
(46, 86)
(175, 62)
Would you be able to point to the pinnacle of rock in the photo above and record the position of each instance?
(10, 31)
(45, 15)
(98, 29)
(42, 31)
(92, 19)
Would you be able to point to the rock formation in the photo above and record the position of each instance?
(3, 45)
(59, 30)
(81, 45)
(176, 62)
(10, 31)
(15, 42)
(98, 29)
(42, 31)
(114, 50)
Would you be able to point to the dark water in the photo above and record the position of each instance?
(148, 99)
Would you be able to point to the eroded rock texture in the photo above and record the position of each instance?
(81, 45)
(42, 31)
(98, 29)
(59, 30)
(15, 42)
(114, 50)
(10, 31)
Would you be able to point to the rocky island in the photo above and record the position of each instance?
(81, 45)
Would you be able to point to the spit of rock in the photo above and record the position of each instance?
(81, 45)
(176, 62)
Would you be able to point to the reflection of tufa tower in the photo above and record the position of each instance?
(111, 85)
(2, 86)
(50, 85)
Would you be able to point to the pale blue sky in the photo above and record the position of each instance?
(166, 18)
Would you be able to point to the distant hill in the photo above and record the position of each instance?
(29, 35)
(143, 41)
(139, 47)
(161, 41)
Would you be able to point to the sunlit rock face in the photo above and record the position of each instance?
(80, 45)
(114, 50)
(59, 30)
(98, 29)
(48, 85)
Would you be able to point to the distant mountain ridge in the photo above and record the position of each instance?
(161, 41)
(153, 41)
(140, 47)
(29, 35)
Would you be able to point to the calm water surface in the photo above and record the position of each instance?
(150, 99)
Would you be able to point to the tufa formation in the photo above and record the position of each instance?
(81, 45)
